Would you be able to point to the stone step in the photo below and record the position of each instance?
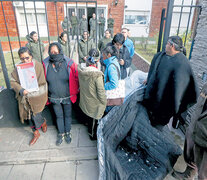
(15, 149)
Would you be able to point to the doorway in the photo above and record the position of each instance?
(90, 11)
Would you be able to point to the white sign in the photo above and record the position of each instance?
(27, 76)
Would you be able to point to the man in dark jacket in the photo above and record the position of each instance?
(195, 148)
(124, 57)
(171, 86)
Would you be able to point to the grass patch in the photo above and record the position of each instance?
(147, 53)
(9, 65)
(151, 50)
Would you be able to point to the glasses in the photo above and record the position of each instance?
(24, 58)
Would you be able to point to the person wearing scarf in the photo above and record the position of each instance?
(62, 78)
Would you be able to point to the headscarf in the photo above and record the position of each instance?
(56, 59)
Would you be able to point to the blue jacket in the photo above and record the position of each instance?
(111, 77)
(130, 46)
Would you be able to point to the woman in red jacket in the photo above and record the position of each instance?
(62, 78)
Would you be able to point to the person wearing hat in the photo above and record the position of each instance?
(92, 93)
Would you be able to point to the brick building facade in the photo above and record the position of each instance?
(116, 8)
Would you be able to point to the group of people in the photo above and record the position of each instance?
(170, 88)
(60, 80)
(73, 25)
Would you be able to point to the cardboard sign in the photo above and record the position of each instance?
(27, 76)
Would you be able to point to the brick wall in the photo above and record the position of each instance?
(116, 11)
(157, 6)
(10, 18)
(199, 54)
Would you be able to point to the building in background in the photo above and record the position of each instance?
(46, 12)
(137, 17)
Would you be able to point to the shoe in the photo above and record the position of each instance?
(68, 137)
(35, 138)
(44, 127)
(60, 138)
(188, 174)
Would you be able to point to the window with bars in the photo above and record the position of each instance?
(31, 19)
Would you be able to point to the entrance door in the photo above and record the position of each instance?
(90, 11)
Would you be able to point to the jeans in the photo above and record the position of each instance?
(36, 121)
(63, 114)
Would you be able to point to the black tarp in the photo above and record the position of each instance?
(130, 148)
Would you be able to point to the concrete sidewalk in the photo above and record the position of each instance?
(45, 160)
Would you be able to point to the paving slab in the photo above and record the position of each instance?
(59, 170)
(26, 172)
(11, 139)
(84, 140)
(87, 170)
(4, 171)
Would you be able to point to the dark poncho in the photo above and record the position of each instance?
(171, 87)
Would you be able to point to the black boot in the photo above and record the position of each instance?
(60, 138)
(68, 137)
(188, 174)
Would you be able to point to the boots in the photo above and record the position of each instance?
(188, 174)
(35, 138)
(44, 127)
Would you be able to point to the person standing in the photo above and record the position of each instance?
(83, 24)
(171, 85)
(123, 56)
(31, 104)
(85, 45)
(63, 40)
(92, 23)
(101, 23)
(105, 40)
(92, 92)
(63, 86)
(35, 47)
(111, 25)
(74, 24)
(128, 43)
(66, 25)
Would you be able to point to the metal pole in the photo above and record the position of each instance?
(68, 35)
(47, 22)
(168, 23)
(25, 15)
(37, 30)
(96, 23)
(56, 16)
(8, 34)
(188, 23)
(181, 12)
(161, 30)
(3, 65)
(194, 33)
(78, 22)
(16, 24)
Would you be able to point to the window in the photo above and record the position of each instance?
(81, 12)
(135, 19)
(70, 10)
(31, 19)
